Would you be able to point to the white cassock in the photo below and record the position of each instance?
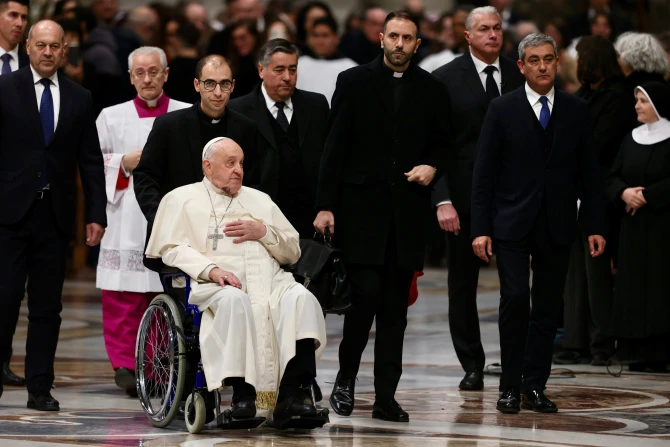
(122, 129)
(249, 332)
(320, 75)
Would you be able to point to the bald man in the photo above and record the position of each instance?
(47, 131)
(172, 155)
(261, 331)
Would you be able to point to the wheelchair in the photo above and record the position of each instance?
(169, 374)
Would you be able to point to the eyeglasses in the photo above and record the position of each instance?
(140, 74)
(210, 85)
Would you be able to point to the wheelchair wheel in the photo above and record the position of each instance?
(160, 360)
(195, 413)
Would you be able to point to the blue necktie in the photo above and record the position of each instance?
(545, 114)
(6, 69)
(47, 119)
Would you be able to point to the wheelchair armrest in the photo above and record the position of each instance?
(170, 270)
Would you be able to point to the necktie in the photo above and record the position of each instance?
(491, 84)
(47, 119)
(6, 69)
(545, 114)
(281, 116)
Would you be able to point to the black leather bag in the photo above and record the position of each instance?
(321, 268)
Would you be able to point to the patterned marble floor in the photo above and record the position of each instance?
(596, 409)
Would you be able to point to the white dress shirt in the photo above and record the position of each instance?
(14, 62)
(270, 103)
(534, 100)
(55, 93)
(481, 65)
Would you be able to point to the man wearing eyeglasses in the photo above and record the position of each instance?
(127, 286)
(172, 154)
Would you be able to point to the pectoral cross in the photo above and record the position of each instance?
(215, 238)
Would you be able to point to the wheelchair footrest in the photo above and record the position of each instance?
(226, 422)
(301, 422)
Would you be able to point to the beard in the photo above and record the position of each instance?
(396, 59)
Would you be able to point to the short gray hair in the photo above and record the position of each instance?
(642, 52)
(535, 40)
(481, 11)
(30, 31)
(144, 51)
(276, 46)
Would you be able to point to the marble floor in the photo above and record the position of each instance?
(596, 408)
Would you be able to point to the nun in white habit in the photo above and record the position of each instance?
(261, 331)
(640, 184)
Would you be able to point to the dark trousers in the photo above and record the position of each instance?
(381, 291)
(462, 280)
(299, 370)
(589, 292)
(34, 249)
(527, 335)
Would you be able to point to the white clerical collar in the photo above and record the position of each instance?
(652, 133)
(480, 65)
(14, 52)
(270, 103)
(37, 78)
(534, 97)
(153, 102)
(210, 186)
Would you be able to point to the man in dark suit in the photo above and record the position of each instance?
(47, 129)
(172, 156)
(580, 24)
(293, 126)
(13, 22)
(534, 154)
(387, 137)
(472, 81)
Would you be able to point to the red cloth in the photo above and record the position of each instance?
(122, 182)
(413, 289)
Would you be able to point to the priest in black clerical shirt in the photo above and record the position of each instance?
(292, 124)
(172, 155)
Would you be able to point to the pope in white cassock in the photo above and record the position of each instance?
(127, 286)
(261, 330)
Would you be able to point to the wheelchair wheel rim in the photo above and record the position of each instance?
(158, 365)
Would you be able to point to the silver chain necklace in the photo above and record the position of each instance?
(216, 236)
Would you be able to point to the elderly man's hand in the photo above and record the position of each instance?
(94, 233)
(324, 219)
(422, 174)
(482, 246)
(447, 217)
(222, 277)
(245, 230)
(596, 245)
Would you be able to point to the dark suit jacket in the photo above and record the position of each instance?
(513, 178)
(22, 152)
(367, 152)
(311, 111)
(23, 58)
(466, 108)
(172, 157)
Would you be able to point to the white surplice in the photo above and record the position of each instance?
(122, 129)
(249, 332)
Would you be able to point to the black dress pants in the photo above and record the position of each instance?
(34, 249)
(527, 335)
(380, 291)
(462, 279)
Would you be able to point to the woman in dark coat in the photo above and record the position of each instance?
(640, 184)
(589, 287)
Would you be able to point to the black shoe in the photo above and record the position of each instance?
(244, 409)
(536, 400)
(509, 402)
(342, 397)
(389, 411)
(293, 406)
(571, 357)
(42, 401)
(125, 378)
(318, 395)
(11, 379)
(473, 381)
